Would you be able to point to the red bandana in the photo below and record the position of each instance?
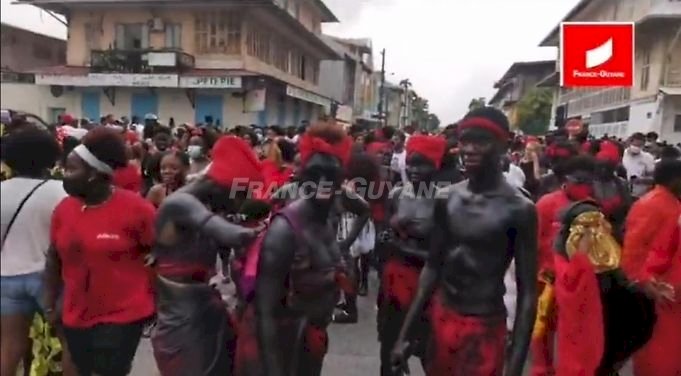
(486, 124)
(431, 147)
(309, 145)
(233, 159)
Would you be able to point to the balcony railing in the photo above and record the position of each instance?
(140, 61)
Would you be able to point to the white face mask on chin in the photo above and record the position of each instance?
(634, 150)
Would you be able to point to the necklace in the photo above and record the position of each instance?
(106, 201)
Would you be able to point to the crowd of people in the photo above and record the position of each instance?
(492, 249)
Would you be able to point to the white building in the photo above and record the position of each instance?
(235, 62)
(654, 103)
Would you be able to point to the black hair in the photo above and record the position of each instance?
(666, 170)
(252, 137)
(670, 152)
(162, 131)
(67, 145)
(107, 145)
(579, 163)
(183, 157)
(652, 135)
(638, 136)
(277, 130)
(399, 134)
(288, 150)
(30, 152)
(388, 132)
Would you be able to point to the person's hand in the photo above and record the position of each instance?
(399, 357)
(661, 292)
(51, 316)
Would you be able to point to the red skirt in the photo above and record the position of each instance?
(249, 362)
(400, 283)
(465, 345)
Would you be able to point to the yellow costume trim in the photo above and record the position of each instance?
(545, 306)
(605, 253)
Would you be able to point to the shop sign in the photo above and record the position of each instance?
(210, 82)
(307, 96)
(109, 79)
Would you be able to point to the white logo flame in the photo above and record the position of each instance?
(599, 55)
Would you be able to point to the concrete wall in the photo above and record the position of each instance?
(23, 50)
(671, 108)
(36, 99)
(332, 79)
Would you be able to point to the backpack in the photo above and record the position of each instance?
(246, 267)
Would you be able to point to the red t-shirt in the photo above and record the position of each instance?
(102, 253)
(128, 177)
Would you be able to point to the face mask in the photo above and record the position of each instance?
(634, 150)
(578, 191)
(194, 151)
(74, 187)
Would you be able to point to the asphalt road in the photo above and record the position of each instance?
(354, 349)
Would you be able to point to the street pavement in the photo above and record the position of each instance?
(354, 349)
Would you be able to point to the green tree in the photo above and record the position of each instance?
(433, 122)
(477, 103)
(534, 111)
(420, 111)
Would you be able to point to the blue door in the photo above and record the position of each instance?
(142, 104)
(208, 106)
(281, 115)
(89, 105)
(296, 112)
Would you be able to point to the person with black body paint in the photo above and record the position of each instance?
(481, 224)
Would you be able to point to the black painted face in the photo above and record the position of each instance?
(323, 174)
(420, 169)
(480, 150)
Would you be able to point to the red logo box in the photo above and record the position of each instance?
(597, 54)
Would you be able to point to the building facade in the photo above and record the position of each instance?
(231, 63)
(22, 50)
(518, 80)
(351, 81)
(654, 103)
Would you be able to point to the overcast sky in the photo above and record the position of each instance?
(451, 50)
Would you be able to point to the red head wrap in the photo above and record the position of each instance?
(309, 145)
(486, 124)
(377, 147)
(431, 147)
(233, 159)
(609, 152)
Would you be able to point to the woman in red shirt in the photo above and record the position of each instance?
(100, 236)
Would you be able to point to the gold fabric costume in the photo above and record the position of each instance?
(605, 253)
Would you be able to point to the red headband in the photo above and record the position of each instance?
(609, 152)
(431, 147)
(233, 159)
(376, 147)
(309, 145)
(486, 124)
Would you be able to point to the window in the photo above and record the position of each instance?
(677, 123)
(218, 32)
(132, 36)
(173, 35)
(645, 69)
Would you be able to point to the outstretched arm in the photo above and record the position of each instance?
(276, 257)
(525, 248)
(186, 211)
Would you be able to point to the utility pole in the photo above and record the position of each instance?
(381, 91)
